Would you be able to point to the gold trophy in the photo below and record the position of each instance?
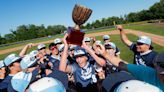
(80, 15)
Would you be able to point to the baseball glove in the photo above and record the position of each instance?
(81, 14)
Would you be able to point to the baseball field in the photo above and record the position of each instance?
(153, 30)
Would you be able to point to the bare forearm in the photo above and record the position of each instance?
(99, 60)
(113, 59)
(63, 63)
(23, 51)
(124, 38)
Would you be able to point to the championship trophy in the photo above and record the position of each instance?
(80, 15)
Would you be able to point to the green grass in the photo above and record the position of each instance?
(126, 54)
(18, 51)
(94, 31)
(147, 27)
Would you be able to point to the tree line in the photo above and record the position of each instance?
(25, 32)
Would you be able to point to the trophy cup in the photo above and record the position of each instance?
(80, 15)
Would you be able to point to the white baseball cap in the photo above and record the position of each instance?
(110, 45)
(47, 84)
(20, 81)
(27, 61)
(57, 41)
(145, 40)
(1, 64)
(10, 59)
(98, 42)
(87, 39)
(72, 47)
(40, 46)
(106, 37)
(33, 53)
(61, 48)
(137, 86)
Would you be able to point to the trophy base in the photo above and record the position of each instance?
(75, 37)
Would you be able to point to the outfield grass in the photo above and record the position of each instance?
(126, 54)
(102, 30)
(148, 27)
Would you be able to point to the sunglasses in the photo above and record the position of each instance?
(138, 43)
(54, 47)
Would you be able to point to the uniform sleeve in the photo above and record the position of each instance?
(74, 67)
(133, 47)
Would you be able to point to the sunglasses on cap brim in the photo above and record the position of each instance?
(139, 43)
(42, 48)
(58, 43)
(105, 39)
(79, 55)
(108, 46)
(87, 41)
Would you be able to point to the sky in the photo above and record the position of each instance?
(14, 13)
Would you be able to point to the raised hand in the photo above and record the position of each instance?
(119, 27)
(64, 39)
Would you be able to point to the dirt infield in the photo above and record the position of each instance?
(155, 38)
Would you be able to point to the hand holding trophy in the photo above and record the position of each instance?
(80, 15)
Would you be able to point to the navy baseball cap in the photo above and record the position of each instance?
(79, 52)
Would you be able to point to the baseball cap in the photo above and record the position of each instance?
(20, 81)
(137, 86)
(33, 53)
(145, 40)
(159, 63)
(72, 47)
(1, 64)
(98, 42)
(79, 51)
(106, 37)
(47, 84)
(87, 39)
(27, 61)
(61, 48)
(57, 41)
(10, 59)
(41, 46)
(109, 45)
